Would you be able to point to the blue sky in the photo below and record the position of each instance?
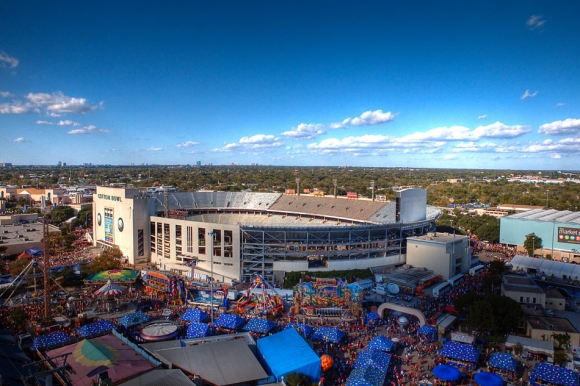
(456, 84)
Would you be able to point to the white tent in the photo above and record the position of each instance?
(545, 267)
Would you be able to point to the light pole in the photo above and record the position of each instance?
(533, 246)
(547, 191)
(211, 235)
(373, 189)
(334, 182)
(298, 186)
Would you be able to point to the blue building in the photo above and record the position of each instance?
(559, 231)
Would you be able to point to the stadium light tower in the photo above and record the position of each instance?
(334, 182)
(547, 192)
(373, 189)
(298, 186)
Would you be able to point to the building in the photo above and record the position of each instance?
(523, 290)
(443, 253)
(20, 232)
(559, 231)
(236, 235)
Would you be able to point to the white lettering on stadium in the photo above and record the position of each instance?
(108, 197)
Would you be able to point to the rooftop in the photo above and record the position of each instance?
(555, 324)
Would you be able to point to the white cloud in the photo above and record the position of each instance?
(567, 145)
(565, 127)
(58, 103)
(482, 116)
(5, 94)
(154, 148)
(474, 147)
(305, 131)
(60, 123)
(449, 157)
(462, 133)
(258, 142)
(528, 95)
(560, 104)
(535, 22)
(20, 139)
(17, 107)
(7, 60)
(91, 129)
(556, 156)
(187, 144)
(368, 118)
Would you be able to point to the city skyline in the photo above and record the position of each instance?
(451, 84)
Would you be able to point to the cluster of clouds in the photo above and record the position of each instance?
(54, 105)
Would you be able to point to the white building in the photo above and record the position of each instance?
(443, 253)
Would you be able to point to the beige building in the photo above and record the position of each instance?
(542, 328)
(523, 290)
(34, 196)
(443, 253)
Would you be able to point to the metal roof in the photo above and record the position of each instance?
(221, 363)
(163, 377)
(548, 215)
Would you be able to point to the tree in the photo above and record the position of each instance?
(497, 267)
(297, 379)
(518, 348)
(107, 260)
(60, 214)
(17, 266)
(532, 243)
(560, 357)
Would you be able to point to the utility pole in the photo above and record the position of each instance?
(373, 190)
(334, 182)
(298, 186)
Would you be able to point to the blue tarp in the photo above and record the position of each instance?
(554, 374)
(460, 351)
(96, 328)
(429, 331)
(259, 325)
(287, 352)
(304, 329)
(34, 252)
(231, 321)
(372, 317)
(195, 315)
(502, 361)
(366, 376)
(198, 330)
(373, 358)
(381, 343)
(134, 319)
(328, 334)
(447, 373)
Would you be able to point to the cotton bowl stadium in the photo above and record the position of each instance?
(243, 234)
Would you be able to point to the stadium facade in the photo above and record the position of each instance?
(242, 234)
(559, 231)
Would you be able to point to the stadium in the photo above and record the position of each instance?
(241, 234)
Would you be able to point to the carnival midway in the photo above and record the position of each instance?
(102, 332)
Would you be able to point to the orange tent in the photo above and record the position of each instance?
(24, 255)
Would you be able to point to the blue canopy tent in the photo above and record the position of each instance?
(373, 358)
(460, 351)
(556, 375)
(366, 376)
(134, 319)
(304, 329)
(381, 343)
(502, 361)
(287, 352)
(230, 321)
(447, 373)
(372, 317)
(50, 340)
(34, 252)
(96, 328)
(484, 378)
(259, 325)
(198, 330)
(195, 315)
(328, 334)
(430, 332)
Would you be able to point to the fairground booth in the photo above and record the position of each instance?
(327, 297)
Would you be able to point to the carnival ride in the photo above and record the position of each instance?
(165, 284)
(261, 298)
(327, 297)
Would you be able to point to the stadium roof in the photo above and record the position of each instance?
(340, 209)
(549, 215)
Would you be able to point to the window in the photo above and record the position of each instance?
(140, 243)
